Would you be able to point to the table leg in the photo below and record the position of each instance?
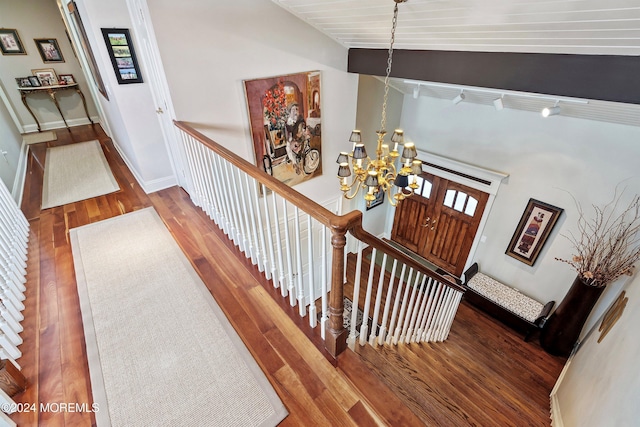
(84, 103)
(24, 101)
(55, 101)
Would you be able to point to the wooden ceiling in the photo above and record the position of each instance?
(579, 27)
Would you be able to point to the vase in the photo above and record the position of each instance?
(562, 329)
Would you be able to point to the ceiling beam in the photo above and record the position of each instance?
(612, 78)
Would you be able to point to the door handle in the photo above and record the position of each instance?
(159, 110)
(426, 223)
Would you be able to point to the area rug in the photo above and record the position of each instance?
(34, 138)
(76, 172)
(161, 351)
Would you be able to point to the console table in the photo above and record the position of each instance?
(52, 91)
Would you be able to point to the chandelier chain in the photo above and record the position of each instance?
(383, 121)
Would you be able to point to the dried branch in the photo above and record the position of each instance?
(607, 246)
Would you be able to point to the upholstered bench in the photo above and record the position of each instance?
(505, 303)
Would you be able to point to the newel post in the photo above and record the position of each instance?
(336, 335)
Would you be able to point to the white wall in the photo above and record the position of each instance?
(130, 108)
(546, 159)
(41, 19)
(601, 385)
(209, 48)
(10, 147)
(370, 96)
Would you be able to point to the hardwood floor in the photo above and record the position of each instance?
(483, 375)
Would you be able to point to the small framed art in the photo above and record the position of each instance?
(10, 43)
(49, 50)
(23, 82)
(122, 54)
(35, 82)
(47, 76)
(532, 232)
(66, 79)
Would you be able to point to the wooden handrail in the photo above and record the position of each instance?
(361, 234)
(318, 212)
(335, 337)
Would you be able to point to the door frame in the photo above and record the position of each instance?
(485, 180)
(149, 55)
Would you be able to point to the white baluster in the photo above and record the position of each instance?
(387, 304)
(415, 308)
(300, 273)
(251, 217)
(403, 308)
(410, 307)
(230, 190)
(278, 242)
(256, 225)
(188, 149)
(396, 305)
(236, 190)
(222, 190)
(268, 226)
(288, 253)
(364, 329)
(313, 317)
(431, 309)
(424, 310)
(325, 303)
(354, 299)
(376, 308)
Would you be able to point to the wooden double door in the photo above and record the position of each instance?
(440, 221)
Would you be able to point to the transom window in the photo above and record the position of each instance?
(461, 202)
(424, 188)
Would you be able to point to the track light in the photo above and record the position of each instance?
(498, 103)
(416, 92)
(551, 111)
(458, 99)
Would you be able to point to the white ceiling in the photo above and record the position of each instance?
(610, 27)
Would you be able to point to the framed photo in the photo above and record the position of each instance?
(378, 200)
(10, 43)
(67, 79)
(122, 54)
(35, 82)
(532, 232)
(47, 76)
(285, 118)
(49, 50)
(24, 82)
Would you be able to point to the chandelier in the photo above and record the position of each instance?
(380, 174)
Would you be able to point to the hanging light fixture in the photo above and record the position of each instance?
(380, 174)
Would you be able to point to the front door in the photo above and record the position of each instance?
(440, 222)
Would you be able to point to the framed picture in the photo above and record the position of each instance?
(10, 43)
(67, 79)
(285, 118)
(49, 50)
(47, 76)
(122, 54)
(76, 23)
(24, 82)
(532, 232)
(378, 200)
(35, 82)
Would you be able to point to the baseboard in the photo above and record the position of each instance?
(21, 174)
(147, 186)
(59, 124)
(556, 414)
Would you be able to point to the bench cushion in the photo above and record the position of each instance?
(506, 297)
